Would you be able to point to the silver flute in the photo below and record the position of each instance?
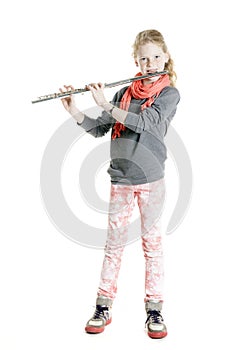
(80, 91)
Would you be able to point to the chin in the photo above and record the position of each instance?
(152, 80)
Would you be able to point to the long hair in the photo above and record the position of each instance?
(154, 36)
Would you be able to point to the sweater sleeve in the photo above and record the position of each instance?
(163, 109)
(100, 126)
(97, 127)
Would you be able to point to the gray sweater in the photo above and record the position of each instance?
(139, 155)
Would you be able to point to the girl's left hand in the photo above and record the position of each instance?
(97, 91)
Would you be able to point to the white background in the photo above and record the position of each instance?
(48, 282)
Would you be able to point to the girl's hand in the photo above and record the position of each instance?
(69, 102)
(97, 91)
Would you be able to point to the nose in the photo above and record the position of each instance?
(151, 62)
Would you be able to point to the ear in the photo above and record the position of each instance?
(136, 62)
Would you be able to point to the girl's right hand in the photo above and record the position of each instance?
(69, 102)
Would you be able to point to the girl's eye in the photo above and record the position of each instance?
(143, 59)
(156, 57)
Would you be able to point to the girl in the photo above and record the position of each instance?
(138, 117)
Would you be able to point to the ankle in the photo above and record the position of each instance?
(104, 301)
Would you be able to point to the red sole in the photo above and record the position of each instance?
(96, 330)
(157, 335)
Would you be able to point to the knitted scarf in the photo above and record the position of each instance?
(140, 91)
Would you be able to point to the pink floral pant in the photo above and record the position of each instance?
(150, 199)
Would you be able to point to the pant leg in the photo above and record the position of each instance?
(150, 200)
(120, 210)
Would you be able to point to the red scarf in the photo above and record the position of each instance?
(140, 91)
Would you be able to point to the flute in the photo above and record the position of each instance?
(80, 91)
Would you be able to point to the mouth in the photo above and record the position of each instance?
(152, 71)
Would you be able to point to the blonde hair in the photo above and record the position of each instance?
(154, 36)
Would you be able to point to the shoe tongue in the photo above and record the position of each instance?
(103, 301)
(151, 305)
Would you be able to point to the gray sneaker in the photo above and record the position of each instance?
(154, 323)
(102, 316)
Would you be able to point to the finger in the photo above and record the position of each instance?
(94, 86)
(101, 85)
(69, 87)
(90, 87)
(64, 102)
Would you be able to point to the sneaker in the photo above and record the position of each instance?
(154, 323)
(102, 316)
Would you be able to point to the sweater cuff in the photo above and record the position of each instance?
(131, 121)
(87, 123)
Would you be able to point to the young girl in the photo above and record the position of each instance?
(138, 117)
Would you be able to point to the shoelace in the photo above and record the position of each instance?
(154, 316)
(99, 311)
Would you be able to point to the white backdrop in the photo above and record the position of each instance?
(48, 282)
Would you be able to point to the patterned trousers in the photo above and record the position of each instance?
(150, 199)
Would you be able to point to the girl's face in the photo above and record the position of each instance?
(151, 58)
